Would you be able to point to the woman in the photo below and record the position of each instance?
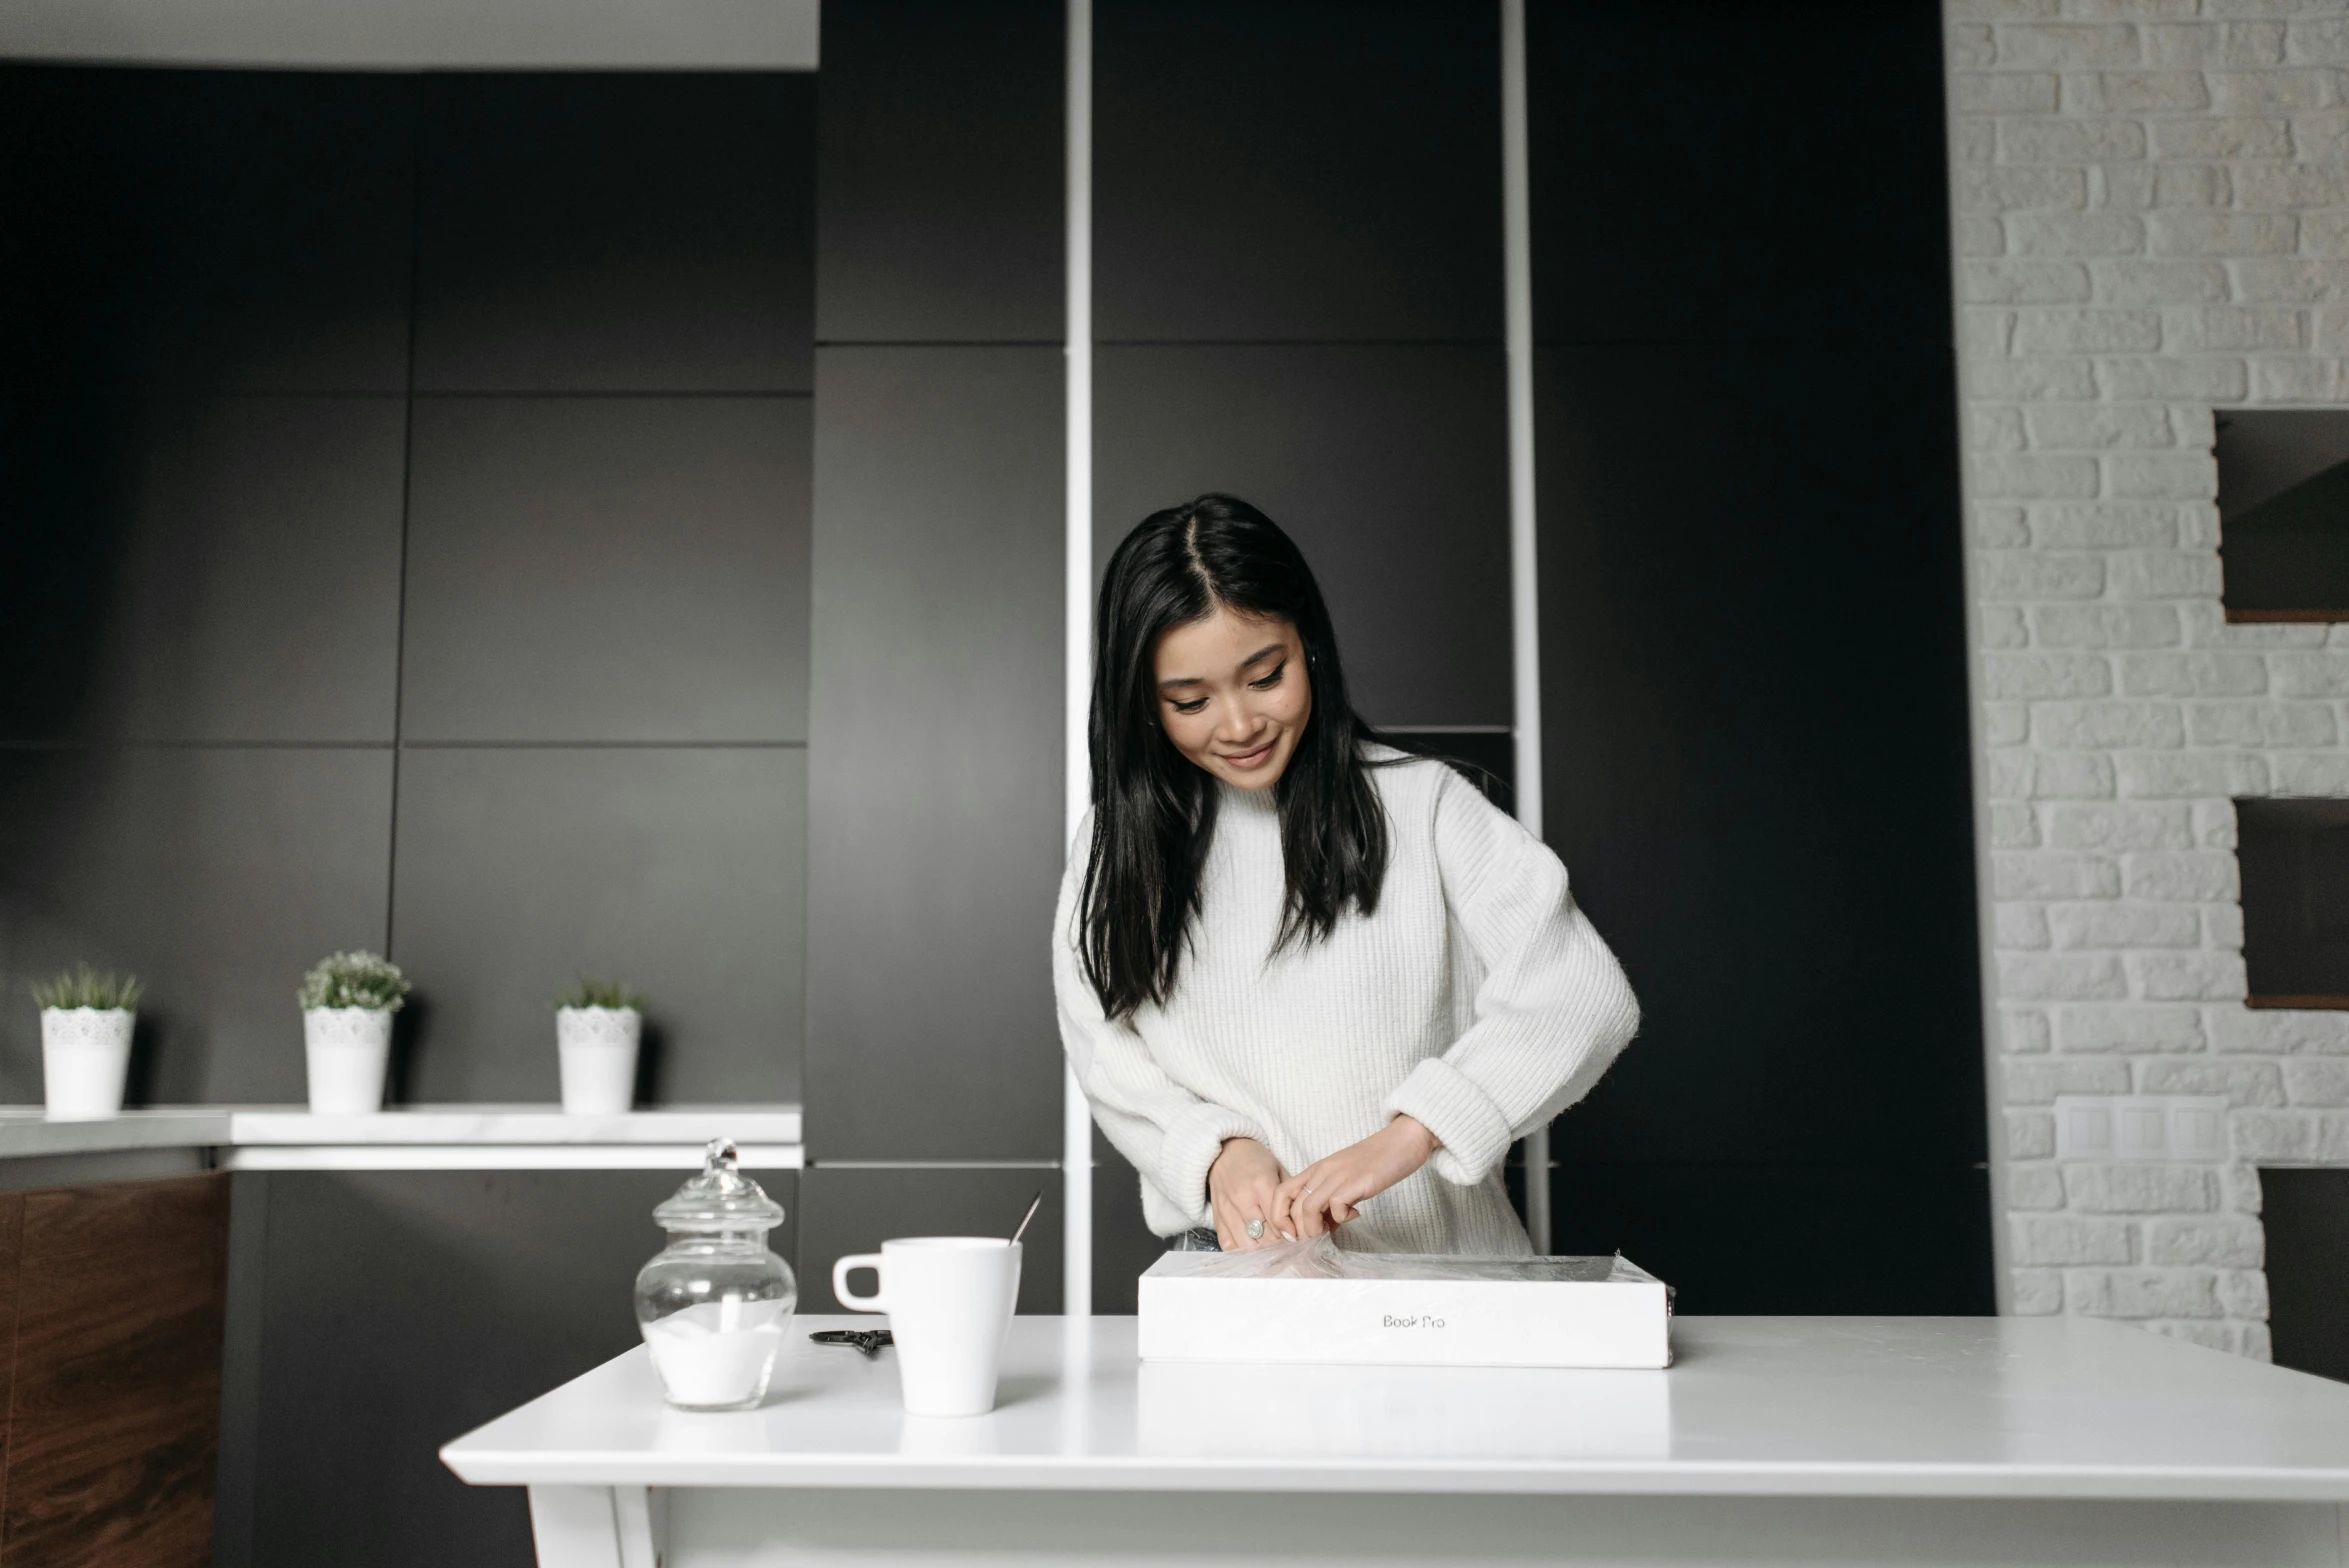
(1309, 983)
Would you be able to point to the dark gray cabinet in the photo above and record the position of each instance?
(1709, 569)
(218, 874)
(1387, 463)
(1322, 170)
(199, 569)
(1694, 204)
(676, 869)
(585, 232)
(934, 754)
(207, 230)
(941, 190)
(607, 569)
(470, 1291)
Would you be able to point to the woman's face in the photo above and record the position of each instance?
(1233, 694)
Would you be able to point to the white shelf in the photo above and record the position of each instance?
(500, 1157)
(24, 1131)
(515, 1124)
(424, 1137)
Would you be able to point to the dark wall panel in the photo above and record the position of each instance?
(212, 229)
(853, 1210)
(1752, 596)
(1736, 1238)
(1722, 205)
(608, 569)
(217, 875)
(247, 579)
(935, 754)
(1486, 758)
(941, 192)
(404, 1308)
(1388, 463)
(1723, 589)
(1123, 1246)
(62, 520)
(1309, 170)
(679, 870)
(636, 233)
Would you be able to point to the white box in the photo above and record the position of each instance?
(1442, 1415)
(1397, 1309)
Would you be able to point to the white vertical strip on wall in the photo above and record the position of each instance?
(1524, 589)
(1076, 1119)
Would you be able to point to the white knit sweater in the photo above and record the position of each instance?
(1477, 999)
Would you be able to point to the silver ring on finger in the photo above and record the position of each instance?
(1256, 1230)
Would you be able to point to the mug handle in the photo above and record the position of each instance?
(855, 1303)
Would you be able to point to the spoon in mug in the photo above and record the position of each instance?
(1033, 1204)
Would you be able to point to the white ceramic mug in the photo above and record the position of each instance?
(949, 1301)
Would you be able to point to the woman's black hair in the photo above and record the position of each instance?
(1154, 809)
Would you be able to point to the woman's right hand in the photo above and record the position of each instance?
(1240, 1185)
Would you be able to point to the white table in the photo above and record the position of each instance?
(1810, 1440)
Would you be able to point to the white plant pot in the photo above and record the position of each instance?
(349, 1049)
(598, 1050)
(85, 1056)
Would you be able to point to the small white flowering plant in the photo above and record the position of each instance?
(360, 980)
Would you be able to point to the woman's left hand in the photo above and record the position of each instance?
(1329, 1192)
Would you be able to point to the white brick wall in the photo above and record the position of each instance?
(2152, 219)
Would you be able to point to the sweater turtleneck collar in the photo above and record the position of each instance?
(1259, 803)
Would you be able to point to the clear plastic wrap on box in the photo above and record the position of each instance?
(1322, 1258)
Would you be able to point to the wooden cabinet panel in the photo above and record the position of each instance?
(11, 1242)
(117, 1292)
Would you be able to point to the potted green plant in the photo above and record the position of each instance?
(347, 1004)
(599, 1025)
(85, 1042)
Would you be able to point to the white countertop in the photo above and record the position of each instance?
(289, 1137)
(1909, 1407)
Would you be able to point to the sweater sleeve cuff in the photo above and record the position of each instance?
(1471, 1129)
(1191, 1144)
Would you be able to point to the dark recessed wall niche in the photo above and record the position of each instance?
(2283, 495)
(2306, 1216)
(2295, 869)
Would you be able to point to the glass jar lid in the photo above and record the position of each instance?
(720, 1198)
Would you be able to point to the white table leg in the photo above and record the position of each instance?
(636, 1512)
(594, 1526)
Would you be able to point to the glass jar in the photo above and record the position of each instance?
(714, 1305)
